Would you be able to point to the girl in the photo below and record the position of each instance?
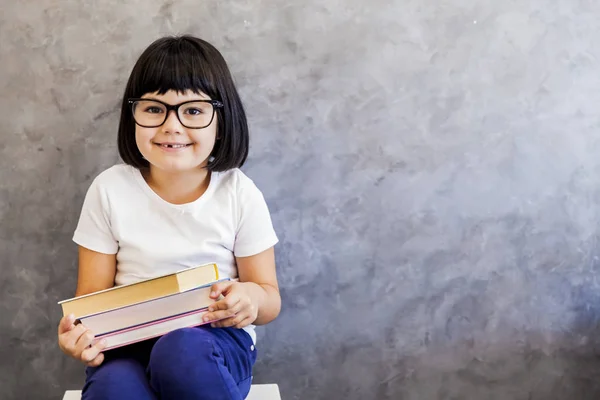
(178, 200)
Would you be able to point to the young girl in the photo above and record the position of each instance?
(179, 200)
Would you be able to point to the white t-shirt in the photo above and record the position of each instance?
(121, 214)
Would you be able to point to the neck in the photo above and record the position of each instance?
(178, 187)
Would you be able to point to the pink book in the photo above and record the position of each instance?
(148, 311)
(153, 329)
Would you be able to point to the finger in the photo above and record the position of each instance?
(74, 334)
(66, 324)
(70, 338)
(231, 321)
(220, 287)
(226, 303)
(223, 323)
(223, 310)
(244, 323)
(238, 307)
(96, 361)
(84, 341)
(217, 315)
(90, 353)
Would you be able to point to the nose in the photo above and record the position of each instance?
(172, 124)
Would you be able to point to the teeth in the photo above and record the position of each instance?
(174, 146)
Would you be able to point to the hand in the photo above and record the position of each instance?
(75, 341)
(237, 308)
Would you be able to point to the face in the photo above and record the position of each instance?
(172, 147)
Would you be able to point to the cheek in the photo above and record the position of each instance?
(205, 139)
(144, 135)
(143, 138)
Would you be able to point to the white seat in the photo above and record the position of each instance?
(257, 392)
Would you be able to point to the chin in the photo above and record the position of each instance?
(176, 167)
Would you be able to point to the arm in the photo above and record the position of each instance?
(96, 271)
(258, 273)
(254, 299)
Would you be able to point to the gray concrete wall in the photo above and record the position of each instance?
(432, 168)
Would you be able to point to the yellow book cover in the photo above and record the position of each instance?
(133, 293)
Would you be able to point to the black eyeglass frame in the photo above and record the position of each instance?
(215, 103)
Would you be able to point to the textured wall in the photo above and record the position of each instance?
(432, 168)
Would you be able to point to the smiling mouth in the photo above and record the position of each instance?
(173, 146)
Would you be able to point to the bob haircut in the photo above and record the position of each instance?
(183, 63)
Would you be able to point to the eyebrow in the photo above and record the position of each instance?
(176, 104)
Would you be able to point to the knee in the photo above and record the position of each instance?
(181, 343)
(179, 352)
(121, 368)
(115, 378)
(197, 363)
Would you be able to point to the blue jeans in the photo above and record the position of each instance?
(189, 363)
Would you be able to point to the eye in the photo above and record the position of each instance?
(153, 110)
(194, 111)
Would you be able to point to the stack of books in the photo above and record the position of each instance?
(150, 308)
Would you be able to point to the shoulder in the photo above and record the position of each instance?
(113, 184)
(236, 180)
(241, 189)
(115, 177)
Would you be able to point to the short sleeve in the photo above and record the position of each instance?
(255, 232)
(93, 229)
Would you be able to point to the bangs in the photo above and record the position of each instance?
(176, 65)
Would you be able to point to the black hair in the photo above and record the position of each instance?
(183, 63)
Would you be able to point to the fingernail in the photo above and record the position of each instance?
(213, 324)
(103, 343)
(206, 318)
(210, 309)
(213, 294)
(71, 317)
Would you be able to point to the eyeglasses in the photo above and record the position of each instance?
(193, 114)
